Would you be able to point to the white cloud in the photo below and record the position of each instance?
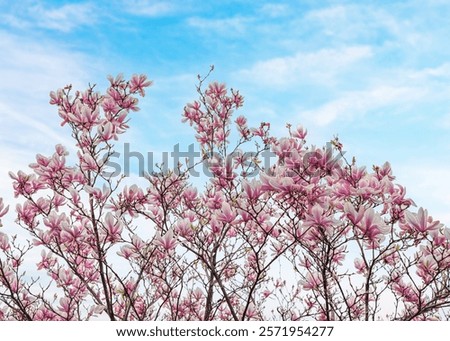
(228, 26)
(329, 14)
(391, 24)
(64, 18)
(36, 67)
(149, 8)
(358, 103)
(14, 21)
(275, 10)
(441, 71)
(319, 67)
(34, 124)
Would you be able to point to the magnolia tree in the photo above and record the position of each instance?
(309, 236)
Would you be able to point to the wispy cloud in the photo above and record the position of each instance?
(403, 88)
(275, 10)
(440, 72)
(36, 67)
(319, 67)
(227, 26)
(364, 22)
(327, 14)
(65, 18)
(150, 8)
(358, 103)
(30, 126)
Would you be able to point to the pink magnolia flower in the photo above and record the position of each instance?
(3, 209)
(217, 89)
(116, 81)
(138, 83)
(64, 305)
(192, 113)
(55, 221)
(41, 161)
(283, 184)
(184, 228)
(262, 130)
(358, 173)
(406, 291)
(56, 98)
(300, 132)
(4, 242)
(88, 163)
(44, 314)
(252, 189)
(25, 184)
(70, 233)
(229, 271)
(353, 215)
(426, 268)
(134, 193)
(190, 194)
(107, 131)
(27, 213)
(355, 306)
(109, 106)
(252, 311)
(312, 281)
(216, 226)
(386, 171)
(113, 227)
(130, 104)
(277, 248)
(343, 189)
(439, 237)
(137, 242)
(241, 121)
(284, 147)
(47, 260)
(372, 227)
(266, 293)
(317, 216)
(99, 194)
(168, 241)
(391, 256)
(65, 277)
(294, 160)
(130, 286)
(231, 233)
(237, 99)
(421, 222)
(226, 214)
(127, 251)
(360, 266)
(58, 201)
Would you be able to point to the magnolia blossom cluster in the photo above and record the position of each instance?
(313, 236)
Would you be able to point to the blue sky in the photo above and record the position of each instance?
(375, 73)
